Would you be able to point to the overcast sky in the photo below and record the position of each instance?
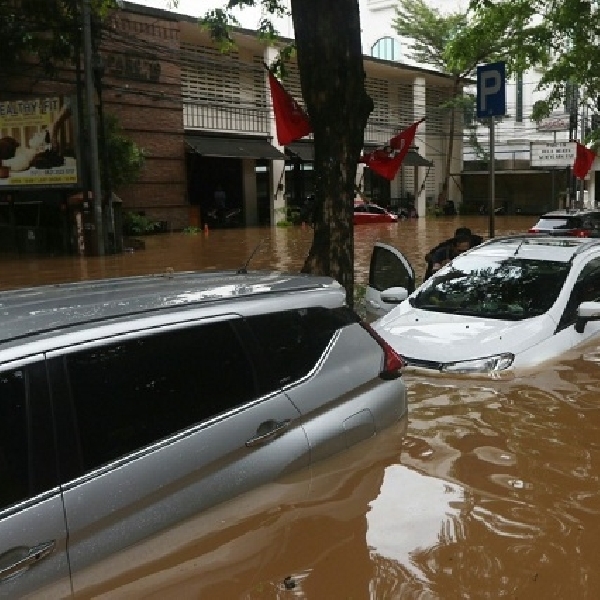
(248, 17)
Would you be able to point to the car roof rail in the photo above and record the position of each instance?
(584, 243)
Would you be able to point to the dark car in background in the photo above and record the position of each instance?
(577, 223)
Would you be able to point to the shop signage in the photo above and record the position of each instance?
(38, 143)
(554, 123)
(130, 67)
(552, 154)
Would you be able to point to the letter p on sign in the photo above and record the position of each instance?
(491, 90)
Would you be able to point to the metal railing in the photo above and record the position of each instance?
(224, 117)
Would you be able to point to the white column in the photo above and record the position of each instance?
(419, 102)
(278, 202)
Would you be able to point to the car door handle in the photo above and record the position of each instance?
(21, 563)
(267, 431)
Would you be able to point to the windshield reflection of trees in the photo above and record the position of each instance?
(514, 289)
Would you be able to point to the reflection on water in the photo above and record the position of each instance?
(493, 493)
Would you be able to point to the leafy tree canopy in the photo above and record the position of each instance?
(559, 39)
(48, 31)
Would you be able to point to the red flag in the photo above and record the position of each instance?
(386, 162)
(290, 120)
(404, 140)
(584, 158)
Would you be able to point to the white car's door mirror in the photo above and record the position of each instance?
(394, 295)
(587, 311)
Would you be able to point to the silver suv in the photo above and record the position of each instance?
(128, 405)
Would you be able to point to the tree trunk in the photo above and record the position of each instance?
(332, 76)
(446, 180)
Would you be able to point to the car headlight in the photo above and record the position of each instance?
(488, 364)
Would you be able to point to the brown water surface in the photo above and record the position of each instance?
(492, 492)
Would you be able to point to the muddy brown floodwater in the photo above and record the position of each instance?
(492, 491)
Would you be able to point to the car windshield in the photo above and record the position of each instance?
(509, 289)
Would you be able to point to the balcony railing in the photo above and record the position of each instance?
(225, 117)
(249, 119)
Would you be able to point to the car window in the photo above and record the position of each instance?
(14, 451)
(293, 341)
(511, 289)
(132, 393)
(559, 223)
(361, 208)
(377, 210)
(388, 271)
(27, 463)
(586, 289)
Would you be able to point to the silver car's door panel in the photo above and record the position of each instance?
(33, 556)
(345, 400)
(123, 503)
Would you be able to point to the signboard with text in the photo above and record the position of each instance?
(38, 143)
(552, 154)
(560, 122)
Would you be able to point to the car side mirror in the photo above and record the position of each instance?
(587, 311)
(394, 295)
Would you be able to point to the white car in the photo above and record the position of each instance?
(510, 303)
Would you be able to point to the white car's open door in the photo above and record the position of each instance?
(389, 269)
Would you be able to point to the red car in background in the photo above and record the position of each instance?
(366, 212)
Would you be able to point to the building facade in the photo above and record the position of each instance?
(205, 123)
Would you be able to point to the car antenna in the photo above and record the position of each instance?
(243, 270)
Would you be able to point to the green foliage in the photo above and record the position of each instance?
(125, 158)
(136, 224)
(559, 40)
(47, 31)
(192, 230)
(219, 23)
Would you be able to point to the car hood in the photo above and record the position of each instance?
(442, 337)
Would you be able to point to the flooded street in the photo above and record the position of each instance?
(490, 490)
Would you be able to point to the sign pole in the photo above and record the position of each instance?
(492, 176)
(491, 103)
(553, 179)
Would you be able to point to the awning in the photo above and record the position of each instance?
(412, 158)
(303, 150)
(233, 147)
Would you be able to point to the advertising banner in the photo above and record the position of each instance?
(38, 143)
(552, 154)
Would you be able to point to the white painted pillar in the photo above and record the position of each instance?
(419, 103)
(278, 202)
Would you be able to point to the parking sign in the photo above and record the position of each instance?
(491, 90)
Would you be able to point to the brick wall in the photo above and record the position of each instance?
(142, 87)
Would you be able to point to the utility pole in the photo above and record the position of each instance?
(92, 126)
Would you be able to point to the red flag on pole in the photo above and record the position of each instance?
(386, 162)
(291, 121)
(584, 158)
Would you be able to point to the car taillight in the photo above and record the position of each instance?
(580, 233)
(392, 361)
(533, 230)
